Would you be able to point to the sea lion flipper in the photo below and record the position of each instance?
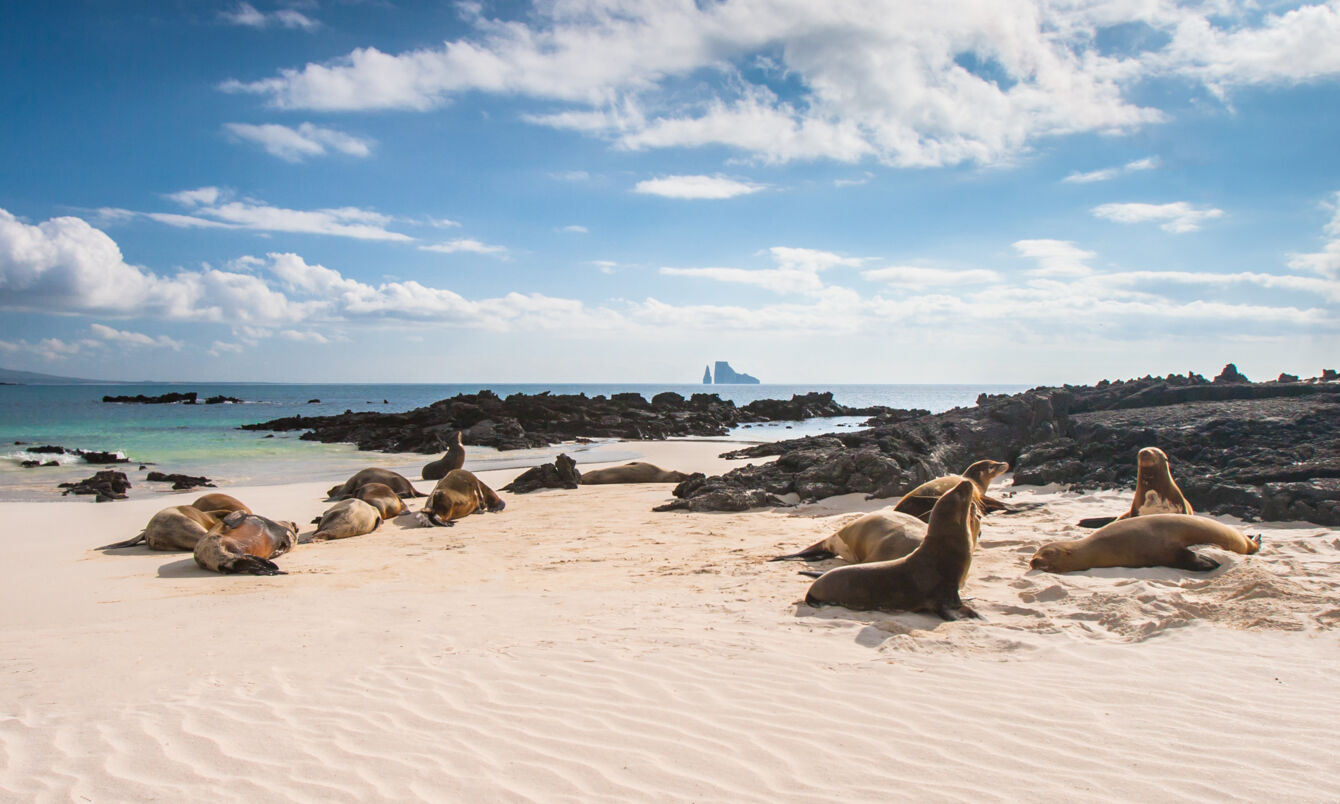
(1097, 521)
(139, 539)
(810, 573)
(808, 554)
(253, 565)
(1190, 560)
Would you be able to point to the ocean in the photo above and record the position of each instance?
(204, 439)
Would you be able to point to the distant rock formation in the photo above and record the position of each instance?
(187, 398)
(726, 374)
(707, 375)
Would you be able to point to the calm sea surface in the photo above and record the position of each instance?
(204, 439)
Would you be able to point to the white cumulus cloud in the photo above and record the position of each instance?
(1177, 217)
(464, 244)
(247, 15)
(127, 338)
(297, 144)
(692, 187)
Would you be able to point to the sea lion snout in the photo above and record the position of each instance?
(1151, 456)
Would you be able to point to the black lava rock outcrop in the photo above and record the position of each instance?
(561, 474)
(535, 420)
(179, 482)
(88, 455)
(1255, 450)
(187, 398)
(108, 485)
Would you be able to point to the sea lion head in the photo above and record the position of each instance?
(1054, 557)
(985, 471)
(1152, 457)
(958, 505)
(330, 495)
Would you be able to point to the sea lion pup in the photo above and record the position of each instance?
(398, 483)
(877, 536)
(454, 459)
(926, 580)
(348, 517)
(220, 504)
(381, 497)
(460, 494)
(919, 501)
(1150, 540)
(245, 543)
(177, 528)
(635, 472)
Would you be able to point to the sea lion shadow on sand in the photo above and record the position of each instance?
(880, 626)
(184, 568)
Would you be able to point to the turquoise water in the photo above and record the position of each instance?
(204, 439)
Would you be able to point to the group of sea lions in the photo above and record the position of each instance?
(916, 556)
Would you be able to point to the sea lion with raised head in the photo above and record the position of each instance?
(245, 543)
(926, 580)
(346, 518)
(397, 482)
(381, 497)
(177, 528)
(460, 494)
(453, 459)
(877, 536)
(635, 472)
(1148, 540)
(1155, 490)
(220, 504)
(919, 501)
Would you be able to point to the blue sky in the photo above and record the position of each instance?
(582, 190)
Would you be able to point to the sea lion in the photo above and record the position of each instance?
(398, 483)
(926, 580)
(245, 543)
(635, 472)
(1155, 490)
(348, 517)
(177, 528)
(877, 536)
(919, 501)
(1149, 540)
(454, 459)
(220, 504)
(381, 497)
(460, 494)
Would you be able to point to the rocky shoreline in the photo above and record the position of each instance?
(1254, 450)
(536, 420)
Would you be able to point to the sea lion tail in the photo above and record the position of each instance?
(1253, 544)
(252, 565)
(129, 542)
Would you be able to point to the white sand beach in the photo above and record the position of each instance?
(579, 647)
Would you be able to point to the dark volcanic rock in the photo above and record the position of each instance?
(1231, 374)
(220, 399)
(187, 398)
(89, 455)
(179, 481)
(107, 485)
(534, 420)
(1255, 450)
(561, 474)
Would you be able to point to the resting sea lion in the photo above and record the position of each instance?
(177, 528)
(878, 536)
(380, 496)
(245, 543)
(926, 580)
(460, 494)
(454, 459)
(1149, 540)
(350, 517)
(919, 501)
(635, 472)
(398, 483)
(220, 504)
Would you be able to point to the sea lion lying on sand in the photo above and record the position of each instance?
(877, 536)
(635, 472)
(245, 543)
(1149, 540)
(381, 497)
(220, 504)
(348, 517)
(460, 494)
(177, 528)
(453, 459)
(926, 580)
(397, 483)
